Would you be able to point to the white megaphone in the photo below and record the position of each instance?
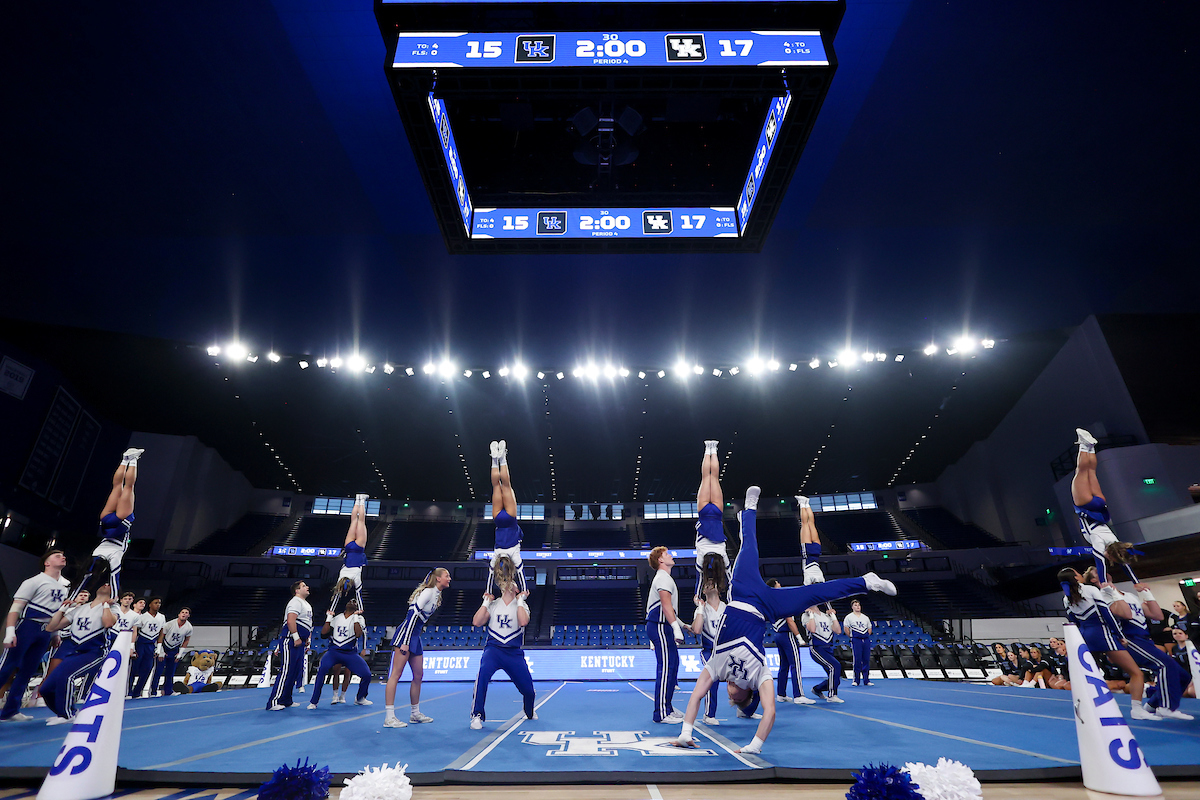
(1193, 659)
(86, 765)
(1109, 755)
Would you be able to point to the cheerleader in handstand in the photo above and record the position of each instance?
(1094, 611)
(504, 514)
(1092, 510)
(343, 632)
(116, 520)
(822, 626)
(710, 530)
(738, 654)
(810, 542)
(89, 632)
(349, 582)
(505, 617)
(705, 623)
(424, 600)
(787, 643)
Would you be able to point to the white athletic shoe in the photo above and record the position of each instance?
(782, 699)
(361, 499)
(476, 724)
(533, 717)
(40, 702)
(277, 707)
(710, 446)
(417, 717)
(743, 715)
(312, 706)
(337, 698)
(364, 702)
(394, 722)
(300, 690)
(711, 721)
(674, 718)
(1138, 711)
(133, 453)
(752, 497)
(59, 720)
(801, 700)
(1086, 439)
(494, 449)
(802, 501)
(878, 584)
(1167, 713)
(18, 717)
(833, 699)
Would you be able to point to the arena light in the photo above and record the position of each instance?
(833, 364)
(447, 368)
(899, 358)
(965, 344)
(273, 357)
(773, 365)
(881, 356)
(754, 365)
(541, 375)
(930, 349)
(429, 368)
(734, 370)
(214, 350)
(951, 351)
(388, 368)
(321, 362)
(868, 356)
(988, 344)
(793, 367)
(662, 373)
(610, 371)
(559, 375)
(252, 359)
(467, 373)
(681, 368)
(303, 365)
(520, 371)
(623, 372)
(356, 363)
(336, 362)
(504, 372)
(409, 371)
(699, 370)
(486, 374)
(846, 356)
(591, 371)
(814, 364)
(370, 369)
(577, 372)
(235, 351)
(716, 372)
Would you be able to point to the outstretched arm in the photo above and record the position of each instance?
(767, 696)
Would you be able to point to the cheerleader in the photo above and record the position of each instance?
(738, 653)
(343, 632)
(1000, 654)
(36, 600)
(1036, 671)
(116, 521)
(1181, 655)
(810, 541)
(63, 643)
(859, 625)
(705, 623)
(505, 617)
(149, 626)
(506, 558)
(665, 633)
(822, 626)
(175, 635)
(1092, 511)
(1170, 681)
(1010, 670)
(1095, 612)
(89, 631)
(297, 619)
(711, 554)
(424, 600)
(788, 639)
(1058, 660)
(349, 582)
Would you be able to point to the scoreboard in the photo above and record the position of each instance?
(637, 137)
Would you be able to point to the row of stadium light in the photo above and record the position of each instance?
(683, 368)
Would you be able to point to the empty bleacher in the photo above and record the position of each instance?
(595, 539)
(404, 540)
(318, 531)
(840, 528)
(597, 606)
(242, 535)
(950, 530)
(232, 605)
(956, 599)
(669, 532)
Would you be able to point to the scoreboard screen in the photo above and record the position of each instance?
(637, 49)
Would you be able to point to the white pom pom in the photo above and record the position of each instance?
(949, 780)
(378, 783)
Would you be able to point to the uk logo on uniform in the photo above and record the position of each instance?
(535, 49)
(685, 47)
(656, 223)
(551, 223)
(609, 743)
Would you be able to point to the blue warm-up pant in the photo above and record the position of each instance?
(59, 689)
(21, 661)
(144, 663)
(862, 658)
(1168, 675)
(351, 660)
(166, 667)
(291, 657)
(789, 663)
(824, 656)
(666, 672)
(512, 661)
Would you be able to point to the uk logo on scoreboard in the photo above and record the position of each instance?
(685, 47)
(656, 223)
(551, 223)
(535, 49)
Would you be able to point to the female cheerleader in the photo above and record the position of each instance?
(822, 627)
(665, 633)
(787, 643)
(1037, 671)
(116, 521)
(505, 617)
(424, 600)
(297, 630)
(710, 531)
(1000, 653)
(89, 631)
(349, 582)
(150, 625)
(1010, 669)
(343, 632)
(810, 542)
(1180, 654)
(1095, 612)
(859, 625)
(705, 624)
(508, 532)
(738, 654)
(1092, 511)
(175, 635)
(1061, 679)
(1170, 681)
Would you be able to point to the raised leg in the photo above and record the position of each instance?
(125, 500)
(1085, 486)
(118, 481)
(508, 496)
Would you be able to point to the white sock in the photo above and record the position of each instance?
(391, 712)
(1087, 447)
(503, 460)
(127, 460)
(416, 708)
(495, 463)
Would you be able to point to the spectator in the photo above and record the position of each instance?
(1180, 618)
(1010, 671)
(1037, 671)
(1000, 653)
(1180, 654)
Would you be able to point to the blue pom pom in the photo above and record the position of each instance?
(884, 782)
(301, 782)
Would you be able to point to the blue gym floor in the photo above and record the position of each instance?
(603, 732)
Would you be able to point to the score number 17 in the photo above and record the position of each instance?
(727, 46)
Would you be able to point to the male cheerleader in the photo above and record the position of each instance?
(343, 632)
(175, 635)
(89, 631)
(297, 618)
(665, 633)
(822, 625)
(37, 599)
(149, 626)
(504, 514)
(116, 521)
(738, 655)
(505, 617)
(859, 626)
(787, 643)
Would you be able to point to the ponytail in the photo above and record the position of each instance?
(429, 583)
(713, 574)
(1070, 585)
(504, 574)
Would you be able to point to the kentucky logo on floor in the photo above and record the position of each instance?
(608, 743)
